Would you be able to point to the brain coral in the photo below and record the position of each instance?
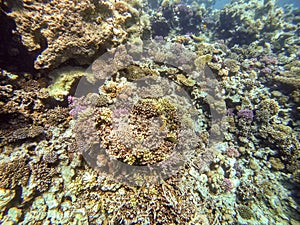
(70, 29)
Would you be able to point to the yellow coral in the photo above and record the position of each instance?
(63, 80)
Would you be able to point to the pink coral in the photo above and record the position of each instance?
(232, 152)
(246, 113)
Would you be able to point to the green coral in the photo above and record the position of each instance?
(245, 212)
(63, 79)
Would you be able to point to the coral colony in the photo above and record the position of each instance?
(149, 112)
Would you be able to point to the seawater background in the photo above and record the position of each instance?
(220, 4)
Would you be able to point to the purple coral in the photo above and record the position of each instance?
(266, 70)
(158, 38)
(71, 99)
(230, 112)
(227, 184)
(246, 113)
(269, 60)
(76, 110)
(184, 9)
(120, 112)
(75, 106)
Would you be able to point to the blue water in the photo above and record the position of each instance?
(296, 3)
(220, 3)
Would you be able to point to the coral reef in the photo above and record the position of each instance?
(198, 125)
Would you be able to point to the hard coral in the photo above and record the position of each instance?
(145, 139)
(245, 212)
(42, 175)
(50, 157)
(232, 152)
(67, 29)
(282, 138)
(245, 113)
(54, 117)
(161, 204)
(266, 110)
(25, 95)
(176, 16)
(14, 173)
(26, 132)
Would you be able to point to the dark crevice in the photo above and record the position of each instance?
(14, 56)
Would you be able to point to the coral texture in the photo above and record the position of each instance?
(72, 30)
